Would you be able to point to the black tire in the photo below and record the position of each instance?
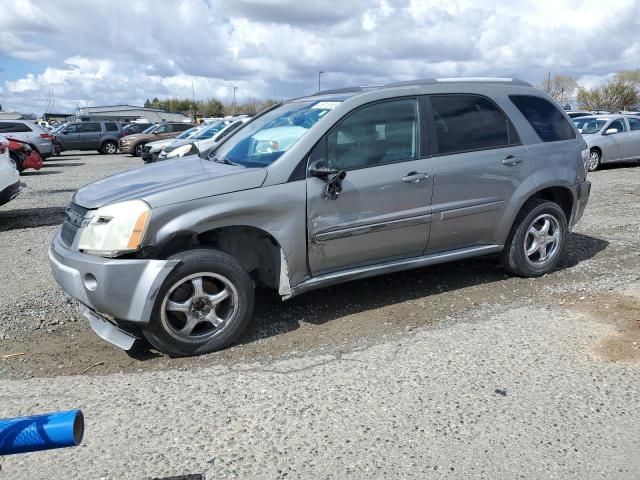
(514, 257)
(18, 161)
(137, 150)
(595, 159)
(162, 330)
(109, 148)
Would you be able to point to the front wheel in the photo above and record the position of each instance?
(595, 157)
(203, 305)
(536, 242)
(137, 151)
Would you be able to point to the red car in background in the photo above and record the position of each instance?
(24, 156)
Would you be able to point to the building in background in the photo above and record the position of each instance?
(129, 113)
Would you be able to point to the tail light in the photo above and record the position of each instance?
(3, 147)
(45, 135)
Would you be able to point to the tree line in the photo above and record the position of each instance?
(619, 92)
(209, 108)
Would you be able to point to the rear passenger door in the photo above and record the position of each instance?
(479, 161)
(634, 137)
(90, 133)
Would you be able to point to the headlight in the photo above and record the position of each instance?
(181, 151)
(116, 229)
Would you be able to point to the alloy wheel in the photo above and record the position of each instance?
(542, 240)
(594, 160)
(199, 307)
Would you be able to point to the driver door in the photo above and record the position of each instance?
(382, 209)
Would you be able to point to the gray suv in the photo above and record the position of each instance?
(102, 136)
(333, 187)
(29, 132)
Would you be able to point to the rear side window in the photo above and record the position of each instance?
(180, 127)
(90, 127)
(634, 123)
(14, 127)
(111, 127)
(470, 122)
(544, 117)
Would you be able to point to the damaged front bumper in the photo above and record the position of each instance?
(124, 289)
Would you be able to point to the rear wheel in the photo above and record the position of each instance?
(203, 305)
(536, 242)
(595, 157)
(109, 147)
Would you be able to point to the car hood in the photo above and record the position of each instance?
(170, 182)
(160, 144)
(178, 143)
(137, 136)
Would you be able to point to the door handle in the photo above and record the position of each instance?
(511, 160)
(415, 177)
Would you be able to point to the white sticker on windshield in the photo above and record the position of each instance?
(326, 105)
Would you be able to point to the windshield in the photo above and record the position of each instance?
(210, 130)
(587, 125)
(188, 133)
(264, 140)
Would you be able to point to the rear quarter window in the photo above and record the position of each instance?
(14, 127)
(544, 117)
(111, 127)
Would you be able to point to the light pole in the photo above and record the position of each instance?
(235, 105)
(319, 76)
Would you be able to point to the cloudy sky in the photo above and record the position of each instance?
(106, 52)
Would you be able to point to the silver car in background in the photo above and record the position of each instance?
(151, 150)
(610, 138)
(29, 132)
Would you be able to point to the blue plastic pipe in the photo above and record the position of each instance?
(41, 432)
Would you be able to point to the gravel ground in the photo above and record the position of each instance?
(455, 371)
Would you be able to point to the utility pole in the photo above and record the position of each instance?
(235, 105)
(549, 83)
(193, 102)
(319, 77)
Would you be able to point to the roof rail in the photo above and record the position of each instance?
(484, 80)
(345, 90)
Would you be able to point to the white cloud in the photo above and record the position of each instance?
(119, 51)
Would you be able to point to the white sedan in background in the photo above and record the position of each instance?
(610, 138)
(9, 176)
(205, 139)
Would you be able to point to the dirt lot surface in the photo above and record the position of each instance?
(404, 370)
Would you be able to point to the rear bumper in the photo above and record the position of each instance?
(10, 192)
(122, 289)
(583, 190)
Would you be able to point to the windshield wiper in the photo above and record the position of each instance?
(225, 161)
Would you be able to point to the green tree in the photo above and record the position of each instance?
(147, 103)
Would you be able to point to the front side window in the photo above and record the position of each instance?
(377, 134)
(618, 125)
(470, 122)
(544, 117)
(162, 129)
(634, 123)
(265, 139)
(73, 128)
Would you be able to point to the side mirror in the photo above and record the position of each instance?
(332, 177)
(611, 131)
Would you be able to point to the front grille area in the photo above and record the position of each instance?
(146, 148)
(73, 217)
